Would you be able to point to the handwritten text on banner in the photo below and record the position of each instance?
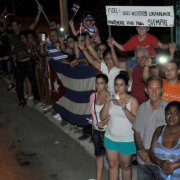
(152, 16)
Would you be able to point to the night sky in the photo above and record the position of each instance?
(51, 7)
(28, 8)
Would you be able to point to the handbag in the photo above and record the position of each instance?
(100, 131)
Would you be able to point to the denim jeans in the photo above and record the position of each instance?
(148, 172)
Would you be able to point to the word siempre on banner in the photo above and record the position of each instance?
(152, 16)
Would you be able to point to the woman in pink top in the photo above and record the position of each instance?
(97, 101)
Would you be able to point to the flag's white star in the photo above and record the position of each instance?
(56, 86)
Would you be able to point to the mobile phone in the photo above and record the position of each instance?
(114, 96)
(43, 37)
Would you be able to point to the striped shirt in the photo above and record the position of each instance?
(171, 154)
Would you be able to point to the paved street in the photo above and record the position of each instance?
(33, 148)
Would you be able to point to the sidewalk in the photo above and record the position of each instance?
(74, 133)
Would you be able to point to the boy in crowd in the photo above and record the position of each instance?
(171, 83)
(143, 38)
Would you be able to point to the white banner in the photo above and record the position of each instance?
(152, 16)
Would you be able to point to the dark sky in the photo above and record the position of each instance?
(51, 7)
(29, 7)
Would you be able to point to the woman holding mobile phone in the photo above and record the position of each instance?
(97, 101)
(119, 137)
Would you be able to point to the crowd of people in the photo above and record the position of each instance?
(135, 109)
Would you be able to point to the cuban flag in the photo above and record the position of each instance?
(79, 83)
(75, 7)
(57, 88)
(55, 53)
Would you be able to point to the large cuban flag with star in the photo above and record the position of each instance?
(79, 83)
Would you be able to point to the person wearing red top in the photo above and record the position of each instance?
(138, 84)
(150, 43)
(143, 38)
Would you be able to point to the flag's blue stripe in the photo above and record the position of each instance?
(77, 96)
(79, 120)
(78, 72)
(55, 53)
(74, 93)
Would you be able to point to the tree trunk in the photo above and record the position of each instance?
(64, 15)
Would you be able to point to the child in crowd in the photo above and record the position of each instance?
(87, 26)
(143, 38)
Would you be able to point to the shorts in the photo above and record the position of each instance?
(98, 140)
(122, 147)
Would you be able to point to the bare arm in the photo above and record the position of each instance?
(131, 115)
(41, 50)
(104, 115)
(146, 73)
(172, 49)
(62, 45)
(66, 62)
(163, 46)
(138, 140)
(90, 59)
(142, 152)
(153, 157)
(176, 165)
(91, 49)
(71, 23)
(114, 56)
(119, 46)
(33, 25)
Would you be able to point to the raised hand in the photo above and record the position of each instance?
(81, 46)
(71, 23)
(74, 63)
(110, 42)
(148, 62)
(172, 48)
(88, 41)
